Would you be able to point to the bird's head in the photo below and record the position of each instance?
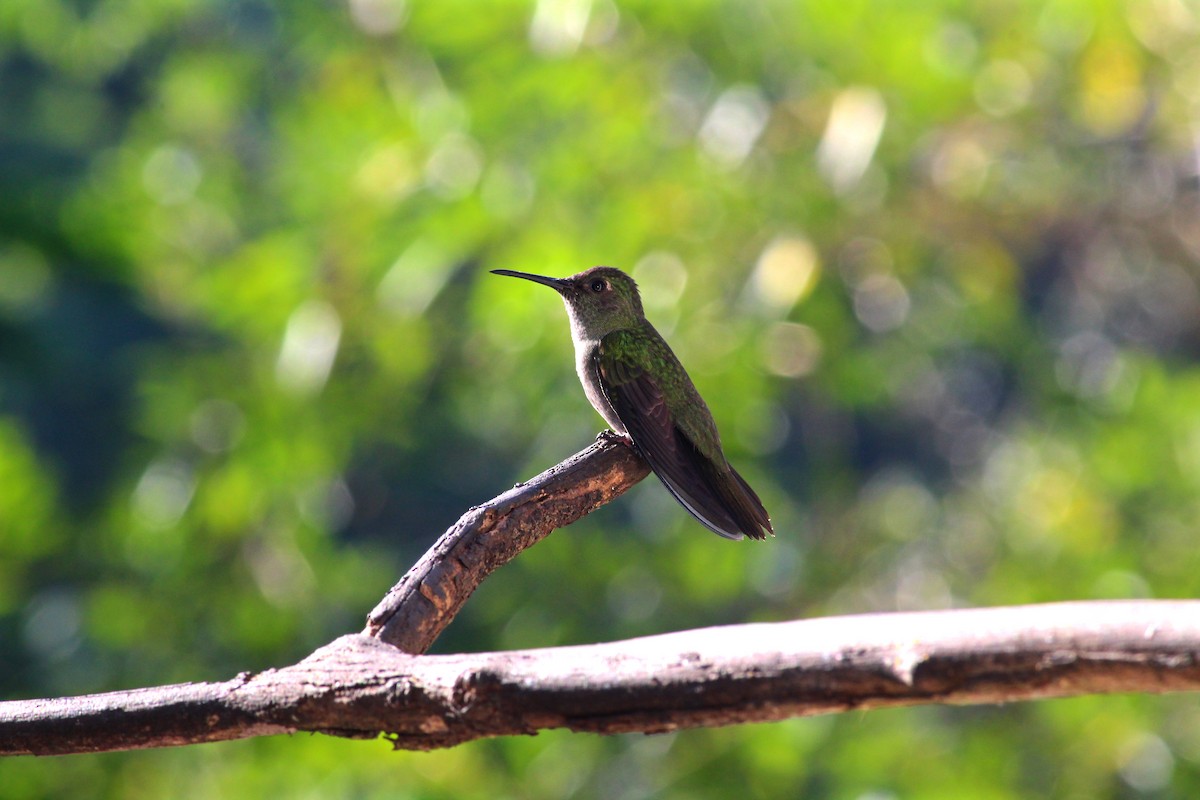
(600, 300)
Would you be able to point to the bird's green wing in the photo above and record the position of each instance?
(706, 487)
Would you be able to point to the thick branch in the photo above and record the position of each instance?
(416, 610)
(358, 686)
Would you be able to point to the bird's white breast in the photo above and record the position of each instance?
(586, 369)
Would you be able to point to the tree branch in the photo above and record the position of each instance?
(418, 608)
(361, 685)
(357, 686)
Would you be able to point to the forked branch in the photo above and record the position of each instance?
(376, 682)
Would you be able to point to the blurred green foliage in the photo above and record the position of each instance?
(933, 265)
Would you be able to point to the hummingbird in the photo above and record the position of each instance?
(632, 378)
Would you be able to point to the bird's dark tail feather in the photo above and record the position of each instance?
(745, 507)
(739, 501)
(716, 495)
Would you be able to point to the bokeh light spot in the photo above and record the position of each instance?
(791, 350)
(787, 270)
(310, 345)
(855, 125)
(881, 303)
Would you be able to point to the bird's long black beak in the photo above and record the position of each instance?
(556, 284)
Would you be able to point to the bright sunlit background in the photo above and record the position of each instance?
(933, 265)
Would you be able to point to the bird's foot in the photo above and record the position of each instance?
(610, 435)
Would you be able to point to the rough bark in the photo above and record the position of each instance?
(421, 605)
(376, 682)
(360, 687)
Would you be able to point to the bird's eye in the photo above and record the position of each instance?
(598, 285)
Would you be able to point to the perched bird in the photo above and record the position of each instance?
(638, 385)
